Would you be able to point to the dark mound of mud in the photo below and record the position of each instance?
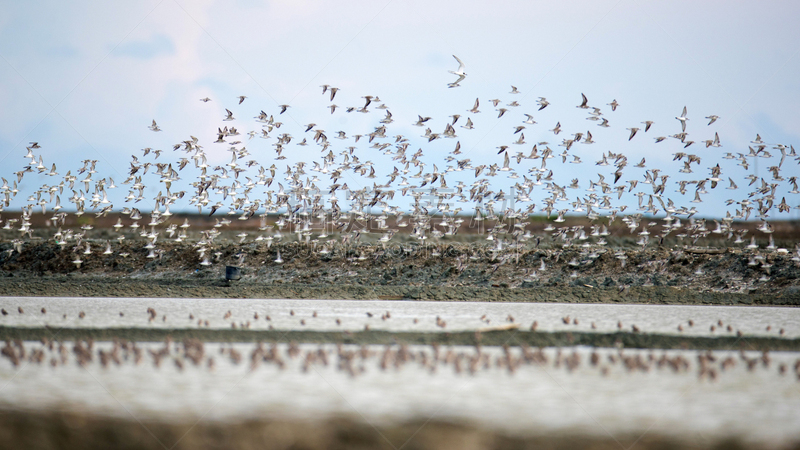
(453, 271)
(509, 337)
(56, 430)
(167, 286)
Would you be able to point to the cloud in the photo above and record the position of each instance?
(159, 45)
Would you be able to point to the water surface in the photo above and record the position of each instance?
(759, 405)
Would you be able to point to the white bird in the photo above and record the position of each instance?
(460, 72)
(683, 119)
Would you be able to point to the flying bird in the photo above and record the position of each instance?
(584, 102)
(683, 119)
(474, 109)
(460, 72)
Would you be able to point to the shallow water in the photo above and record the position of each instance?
(759, 405)
(105, 312)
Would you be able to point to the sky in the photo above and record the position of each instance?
(85, 80)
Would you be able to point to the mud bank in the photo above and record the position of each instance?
(510, 337)
(455, 271)
(55, 430)
(165, 285)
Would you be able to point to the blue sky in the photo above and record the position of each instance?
(85, 79)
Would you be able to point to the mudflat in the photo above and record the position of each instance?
(447, 272)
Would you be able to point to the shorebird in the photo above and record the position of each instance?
(584, 102)
(460, 72)
(474, 109)
(542, 103)
(682, 118)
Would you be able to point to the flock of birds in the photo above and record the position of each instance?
(377, 180)
(509, 322)
(352, 359)
(374, 180)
